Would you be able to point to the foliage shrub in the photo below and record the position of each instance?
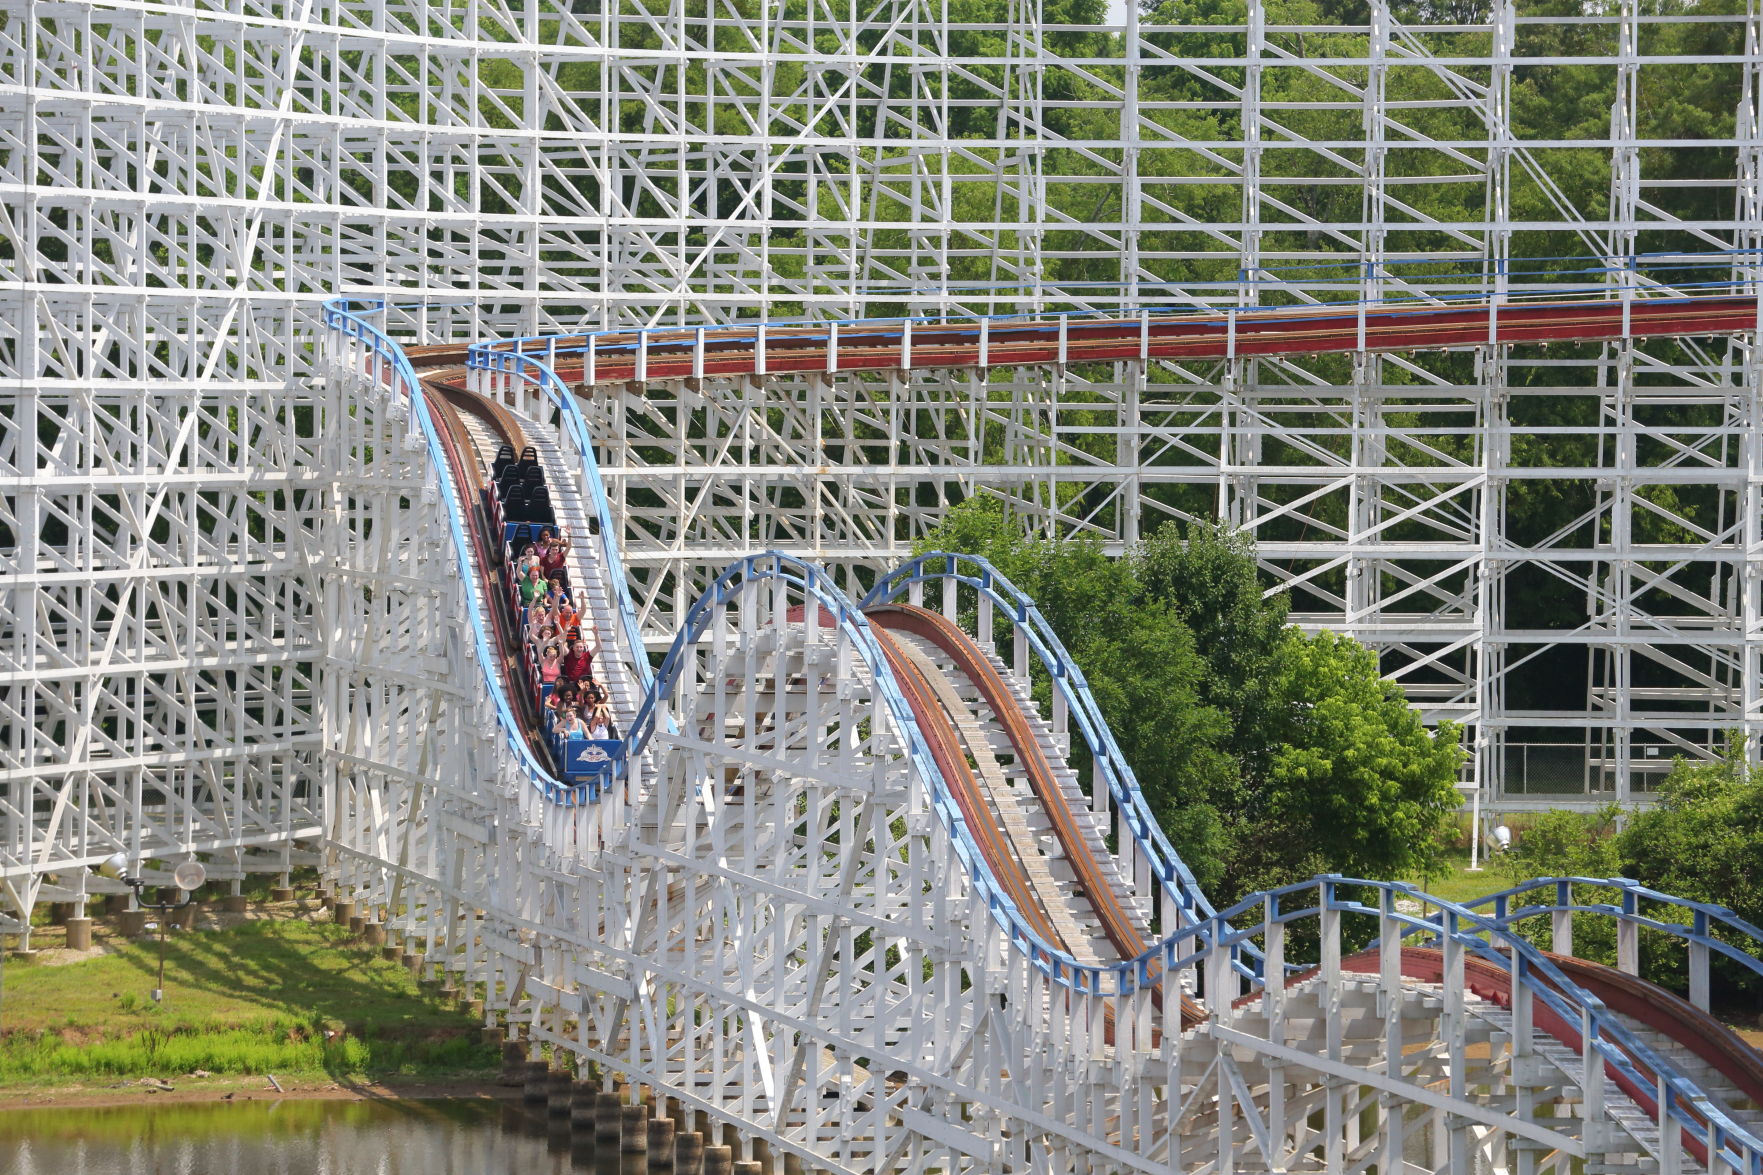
(1703, 841)
(283, 1046)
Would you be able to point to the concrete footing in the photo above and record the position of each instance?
(607, 1119)
(633, 1129)
(661, 1138)
(646, 1126)
(79, 934)
(688, 1154)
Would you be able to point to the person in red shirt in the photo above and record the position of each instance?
(551, 557)
(578, 663)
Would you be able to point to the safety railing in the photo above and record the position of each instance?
(1560, 899)
(546, 800)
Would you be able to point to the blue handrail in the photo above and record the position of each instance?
(1703, 915)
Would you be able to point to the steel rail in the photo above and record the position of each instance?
(945, 745)
(468, 472)
(1663, 1011)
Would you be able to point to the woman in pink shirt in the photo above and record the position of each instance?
(550, 664)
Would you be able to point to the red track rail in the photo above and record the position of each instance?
(738, 350)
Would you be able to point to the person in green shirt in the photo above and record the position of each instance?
(533, 587)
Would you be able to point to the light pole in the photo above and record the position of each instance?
(188, 877)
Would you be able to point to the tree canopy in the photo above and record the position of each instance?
(1266, 754)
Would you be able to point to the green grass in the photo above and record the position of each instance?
(1458, 884)
(285, 997)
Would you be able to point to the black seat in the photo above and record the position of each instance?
(504, 458)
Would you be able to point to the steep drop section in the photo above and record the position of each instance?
(1033, 811)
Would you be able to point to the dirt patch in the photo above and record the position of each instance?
(1751, 1035)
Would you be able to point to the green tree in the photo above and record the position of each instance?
(1704, 839)
(1266, 755)
(1355, 782)
(1205, 574)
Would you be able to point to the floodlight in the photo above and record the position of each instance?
(190, 875)
(115, 867)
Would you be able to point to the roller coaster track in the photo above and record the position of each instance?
(910, 344)
(797, 749)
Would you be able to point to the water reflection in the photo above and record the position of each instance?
(447, 1137)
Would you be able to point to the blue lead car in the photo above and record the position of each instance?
(589, 760)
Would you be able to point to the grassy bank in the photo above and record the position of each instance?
(286, 995)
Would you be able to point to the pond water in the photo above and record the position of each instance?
(294, 1137)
